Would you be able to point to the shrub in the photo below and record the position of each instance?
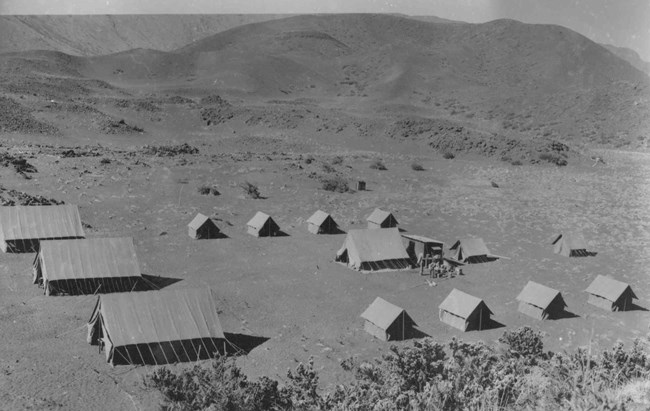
(336, 184)
(250, 189)
(448, 155)
(425, 375)
(328, 168)
(337, 160)
(517, 163)
(417, 167)
(309, 159)
(105, 161)
(553, 158)
(207, 190)
(378, 165)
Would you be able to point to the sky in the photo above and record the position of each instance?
(623, 23)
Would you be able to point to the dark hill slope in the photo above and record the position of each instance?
(95, 35)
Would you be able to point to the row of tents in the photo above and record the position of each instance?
(166, 326)
(466, 312)
(148, 327)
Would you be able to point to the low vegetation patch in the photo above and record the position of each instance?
(207, 190)
(337, 160)
(336, 184)
(417, 167)
(516, 375)
(170, 150)
(448, 155)
(251, 190)
(378, 165)
(553, 159)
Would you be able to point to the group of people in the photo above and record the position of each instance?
(438, 267)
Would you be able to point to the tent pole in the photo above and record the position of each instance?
(402, 325)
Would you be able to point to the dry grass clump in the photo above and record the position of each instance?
(378, 165)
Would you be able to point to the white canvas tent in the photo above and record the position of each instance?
(387, 321)
(381, 219)
(87, 266)
(464, 312)
(157, 327)
(374, 250)
(22, 227)
(540, 302)
(321, 223)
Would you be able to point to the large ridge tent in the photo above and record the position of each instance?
(541, 302)
(22, 227)
(425, 246)
(157, 327)
(381, 219)
(321, 223)
(387, 321)
(570, 245)
(610, 294)
(87, 266)
(464, 311)
(471, 251)
(201, 227)
(374, 250)
(262, 225)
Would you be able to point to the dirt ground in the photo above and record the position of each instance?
(289, 289)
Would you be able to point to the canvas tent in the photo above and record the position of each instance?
(463, 311)
(386, 321)
(425, 246)
(471, 251)
(157, 327)
(202, 227)
(262, 225)
(610, 294)
(22, 227)
(321, 223)
(540, 302)
(570, 245)
(87, 266)
(374, 250)
(381, 219)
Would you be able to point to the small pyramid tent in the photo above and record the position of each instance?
(386, 321)
(157, 327)
(262, 225)
(321, 223)
(381, 219)
(22, 227)
(464, 311)
(374, 250)
(540, 302)
(87, 266)
(570, 245)
(471, 251)
(610, 294)
(202, 227)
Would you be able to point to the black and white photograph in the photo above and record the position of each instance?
(325, 205)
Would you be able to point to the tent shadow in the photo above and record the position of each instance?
(243, 344)
(636, 307)
(401, 230)
(564, 315)
(336, 231)
(156, 282)
(492, 325)
(281, 233)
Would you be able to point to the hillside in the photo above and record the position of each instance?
(105, 34)
(436, 83)
(630, 56)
